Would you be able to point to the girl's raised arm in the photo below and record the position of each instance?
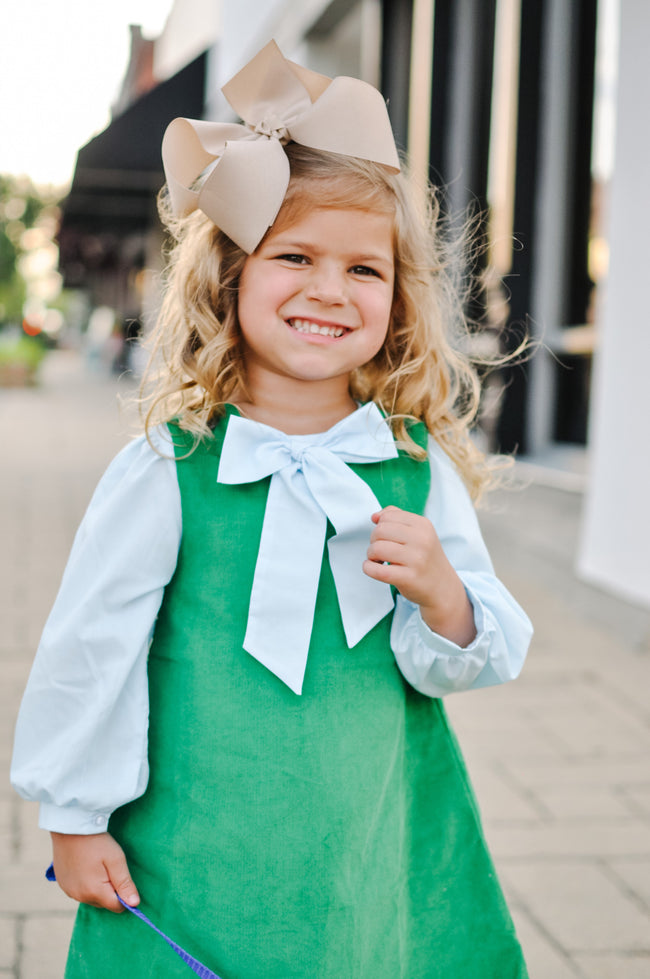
(436, 664)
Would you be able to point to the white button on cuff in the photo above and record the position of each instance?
(100, 820)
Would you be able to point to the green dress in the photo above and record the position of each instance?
(332, 835)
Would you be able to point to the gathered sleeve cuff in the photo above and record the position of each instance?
(81, 736)
(432, 664)
(72, 819)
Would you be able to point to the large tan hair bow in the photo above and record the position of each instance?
(279, 101)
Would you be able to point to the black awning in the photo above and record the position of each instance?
(119, 172)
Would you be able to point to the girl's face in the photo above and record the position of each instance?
(315, 298)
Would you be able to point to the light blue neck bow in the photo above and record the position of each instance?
(310, 483)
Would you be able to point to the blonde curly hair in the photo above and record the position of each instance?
(420, 374)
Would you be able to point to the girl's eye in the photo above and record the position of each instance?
(364, 270)
(294, 259)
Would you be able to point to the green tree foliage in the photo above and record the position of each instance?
(21, 205)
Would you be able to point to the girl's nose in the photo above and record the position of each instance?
(327, 285)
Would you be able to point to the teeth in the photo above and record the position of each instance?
(306, 326)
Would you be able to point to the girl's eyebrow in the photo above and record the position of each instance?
(354, 258)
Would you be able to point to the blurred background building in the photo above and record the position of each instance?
(532, 114)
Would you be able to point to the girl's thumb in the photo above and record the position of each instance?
(123, 885)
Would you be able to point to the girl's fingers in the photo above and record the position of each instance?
(404, 551)
(393, 514)
(391, 574)
(386, 550)
(120, 882)
(399, 533)
(407, 549)
(107, 899)
(380, 572)
(97, 893)
(403, 528)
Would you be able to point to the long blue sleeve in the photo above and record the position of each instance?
(432, 664)
(81, 736)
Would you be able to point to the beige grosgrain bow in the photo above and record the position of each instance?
(279, 101)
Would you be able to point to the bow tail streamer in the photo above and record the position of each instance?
(279, 630)
(363, 601)
(346, 499)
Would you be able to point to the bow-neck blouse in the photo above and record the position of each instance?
(81, 736)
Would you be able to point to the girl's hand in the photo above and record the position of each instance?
(405, 551)
(91, 869)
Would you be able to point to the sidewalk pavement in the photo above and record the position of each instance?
(560, 759)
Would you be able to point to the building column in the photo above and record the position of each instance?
(396, 31)
(513, 420)
(548, 278)
(461, 96)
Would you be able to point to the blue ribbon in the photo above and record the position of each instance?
(194, 964)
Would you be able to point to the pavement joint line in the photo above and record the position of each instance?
(15, 846)
(526, 793)
(20, 945)
(503, 822)
(626, 889)
(625, 702)
(547, 935)
(622, 792)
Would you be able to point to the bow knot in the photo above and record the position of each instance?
(299, 452)
(311, 483)
(273, 127)
(249, 174)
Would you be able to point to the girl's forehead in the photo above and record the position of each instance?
(341, 192)
(318, 218)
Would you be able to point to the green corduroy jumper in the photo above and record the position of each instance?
(332, 835)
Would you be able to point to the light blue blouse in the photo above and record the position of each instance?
(81, 736)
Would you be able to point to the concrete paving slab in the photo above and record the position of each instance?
(614, 966)
(560, 896)
(571, 801)
(25, 891)
(587, 771)
(31, 843)
(591, 839)
(8, 947)
(45, 942)
(503, 799)
(637, 797)
(634, 875)
(545, 958)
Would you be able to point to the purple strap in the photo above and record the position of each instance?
(194, 964)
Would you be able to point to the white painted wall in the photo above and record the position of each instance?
(351, 47)
(192, 27)
(615, 548)
(249, 24)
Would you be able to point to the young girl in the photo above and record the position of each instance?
(234, 715)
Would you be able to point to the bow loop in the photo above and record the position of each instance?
(279, 101)
(237, 177)
(270, 85)
(310, 484)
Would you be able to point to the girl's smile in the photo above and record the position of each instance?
(315, 298)
(315, 329)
